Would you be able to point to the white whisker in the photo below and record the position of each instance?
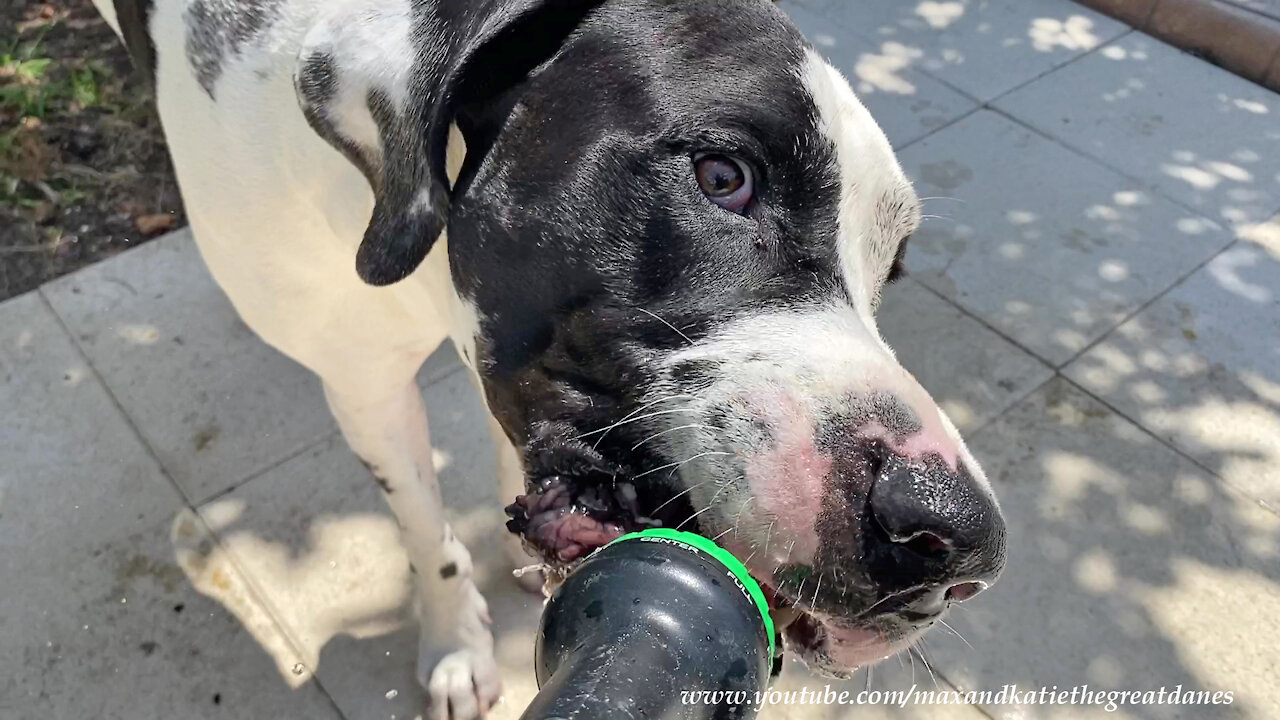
(954, 632)
(928, 667)
(664, 322)
(710, 504)
(678, 495)
(691, 517)
(637, 411)
(677, 465)
(638, 419)
(737, 520)
(664, 432)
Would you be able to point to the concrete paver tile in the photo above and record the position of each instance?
(971, 372)
(215, 403)
(121, 633)
(1045, 245)
(1195, 132)
(72, 472)
(1201, 368)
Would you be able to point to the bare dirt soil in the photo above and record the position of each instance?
(84, 172)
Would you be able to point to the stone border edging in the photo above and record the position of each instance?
(1239, 40)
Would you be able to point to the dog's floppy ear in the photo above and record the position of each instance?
(382, 82)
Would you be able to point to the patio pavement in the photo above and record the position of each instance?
(183, 534)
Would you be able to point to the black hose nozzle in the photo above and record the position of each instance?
(661, 625)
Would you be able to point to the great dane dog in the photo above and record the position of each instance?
(668, 226)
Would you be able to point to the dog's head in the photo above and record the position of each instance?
(673, 225)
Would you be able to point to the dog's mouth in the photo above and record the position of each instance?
(578, 501)
(562, 520)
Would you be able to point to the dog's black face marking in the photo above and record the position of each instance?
(219, 28)
(602, 214)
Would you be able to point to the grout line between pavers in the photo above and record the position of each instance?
(967, 113)
(256, 474)
(873, 39)
(1082, 152)
(1060, 66)
(1005, 410)
(187, 504)
(1226, 483)
(1141, 308)
(982, 321)
(268, 607)
(1057, 375)
(989, 104)
(115, 401)
(1141, 182)
(326, 438)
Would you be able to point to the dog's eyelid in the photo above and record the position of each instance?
(723, 141)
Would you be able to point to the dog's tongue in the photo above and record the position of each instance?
(562, 522)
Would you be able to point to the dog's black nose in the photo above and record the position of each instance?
(938, 521)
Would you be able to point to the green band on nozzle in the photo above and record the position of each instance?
(722, 556)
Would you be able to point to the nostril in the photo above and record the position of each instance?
(964, 591)
(928, 545)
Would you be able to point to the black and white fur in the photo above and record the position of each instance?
(369, 178)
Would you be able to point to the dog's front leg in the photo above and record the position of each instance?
(455, 651)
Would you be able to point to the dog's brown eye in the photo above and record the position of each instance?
(727, 181)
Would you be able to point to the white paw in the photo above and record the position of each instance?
(455, 661)
(463, 686)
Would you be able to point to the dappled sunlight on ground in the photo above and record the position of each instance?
(940, 15)
(211, 571)
(1074, 33)
(351, 578)
(1140, 553)
(881, 71)
(1075, 258)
